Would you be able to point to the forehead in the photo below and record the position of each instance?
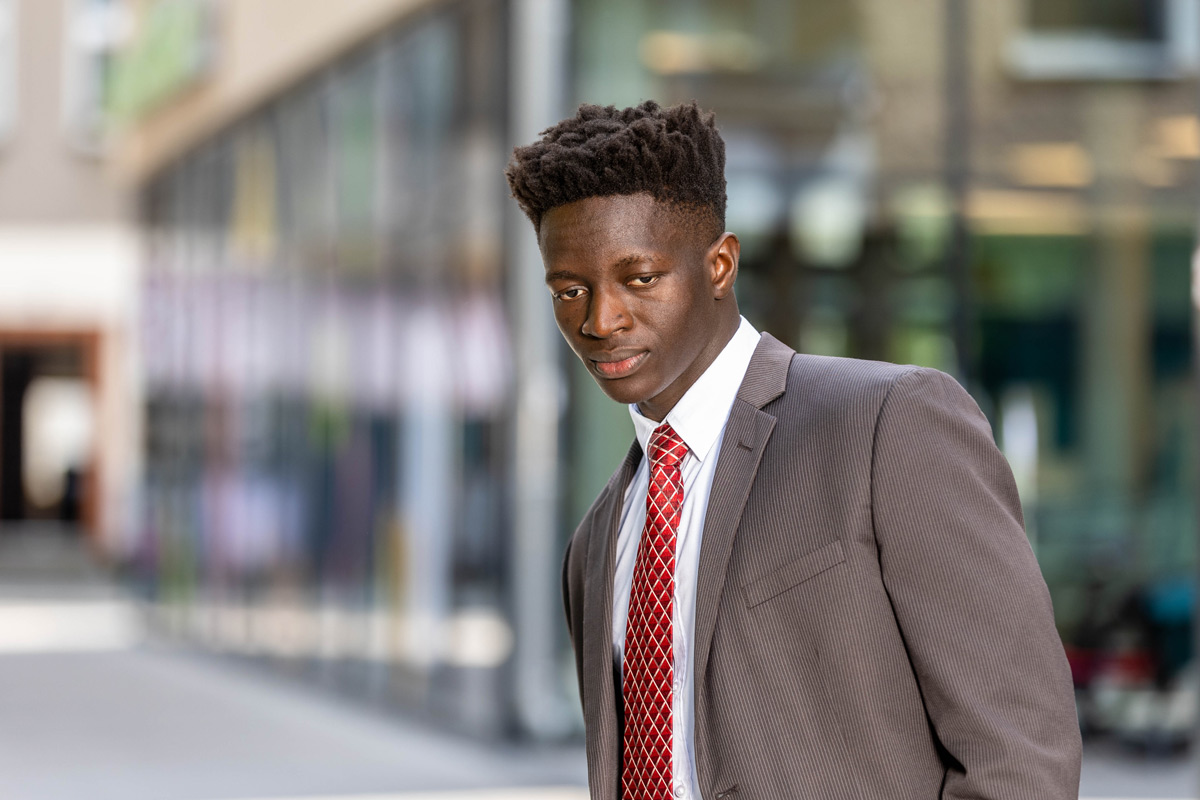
(606, 227)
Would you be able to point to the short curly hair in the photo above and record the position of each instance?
(674, 154)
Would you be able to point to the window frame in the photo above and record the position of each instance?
(1085, 55)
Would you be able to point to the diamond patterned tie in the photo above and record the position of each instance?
(649, 667)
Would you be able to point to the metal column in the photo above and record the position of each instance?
(538, 89)
(957, 149)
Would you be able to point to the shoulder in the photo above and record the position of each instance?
(845, 384)
(849, 371)
(844, 395)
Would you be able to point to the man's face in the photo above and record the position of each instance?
(644, 304)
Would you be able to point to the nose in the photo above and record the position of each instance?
(606, 315)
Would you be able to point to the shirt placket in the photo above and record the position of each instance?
(679, 684)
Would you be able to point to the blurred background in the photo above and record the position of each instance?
(290, 445)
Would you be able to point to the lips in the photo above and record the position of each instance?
(618, 365)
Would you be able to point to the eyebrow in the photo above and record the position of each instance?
(633, 258)
(620, 263)
(561, 275)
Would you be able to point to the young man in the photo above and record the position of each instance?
(816, 583)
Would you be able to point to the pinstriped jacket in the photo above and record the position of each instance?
(870, 620)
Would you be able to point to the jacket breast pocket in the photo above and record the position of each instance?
(793, 573)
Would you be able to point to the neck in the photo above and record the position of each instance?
(657, 408)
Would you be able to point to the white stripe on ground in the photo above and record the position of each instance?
(68, 626)
(541, 793)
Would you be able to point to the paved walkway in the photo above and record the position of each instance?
(1110, 771)
(154, 725)
(92, 710)
(89, 710)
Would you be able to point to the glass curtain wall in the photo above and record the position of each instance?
(1005, 191)
(327, 365)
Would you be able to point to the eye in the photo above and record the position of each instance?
(573, 293)
(643, 280)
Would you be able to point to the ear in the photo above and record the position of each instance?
(722, 261)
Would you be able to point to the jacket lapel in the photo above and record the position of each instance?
(600, 692)
(746, 434)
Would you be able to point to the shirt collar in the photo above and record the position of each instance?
(700, 414)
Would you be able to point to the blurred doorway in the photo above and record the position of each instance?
(48, 390)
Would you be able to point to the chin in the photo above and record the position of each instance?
(624, 391)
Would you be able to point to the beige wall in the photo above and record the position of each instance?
(262, 47)
(43, 179)
(68, 255)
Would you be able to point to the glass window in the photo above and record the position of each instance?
(341, 252)
(1106, 39)
(1047, 266)
(1118, 19)
(95, 30)
(355, 140)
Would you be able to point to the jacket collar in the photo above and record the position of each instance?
(766, 377)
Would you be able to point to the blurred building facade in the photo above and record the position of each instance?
(364, 448)
(69, 387)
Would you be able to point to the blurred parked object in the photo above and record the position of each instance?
(1134, 667)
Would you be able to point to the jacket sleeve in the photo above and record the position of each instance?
(566, 588)
(969, 598)
(572, 593)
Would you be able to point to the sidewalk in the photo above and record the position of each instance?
(91, 710)
(148, 724)
(1110, 771)
(158, 724)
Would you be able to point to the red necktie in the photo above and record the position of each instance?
(649, 648)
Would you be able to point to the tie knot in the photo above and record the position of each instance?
(666, 448)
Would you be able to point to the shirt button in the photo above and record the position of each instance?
(680, 791)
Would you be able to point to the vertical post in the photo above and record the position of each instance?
(1196, 444)
(957, 154)
(538, 56)
(1196, 383)
(1117, 369)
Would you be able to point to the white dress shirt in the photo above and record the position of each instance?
(699, 419)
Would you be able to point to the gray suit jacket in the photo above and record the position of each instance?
(870, 620)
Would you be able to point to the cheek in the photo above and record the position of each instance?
(566, 317)
(560, 312)
(680, 324)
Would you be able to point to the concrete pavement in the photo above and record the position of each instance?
(148, 724)
(90, 709)
(154, 723)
